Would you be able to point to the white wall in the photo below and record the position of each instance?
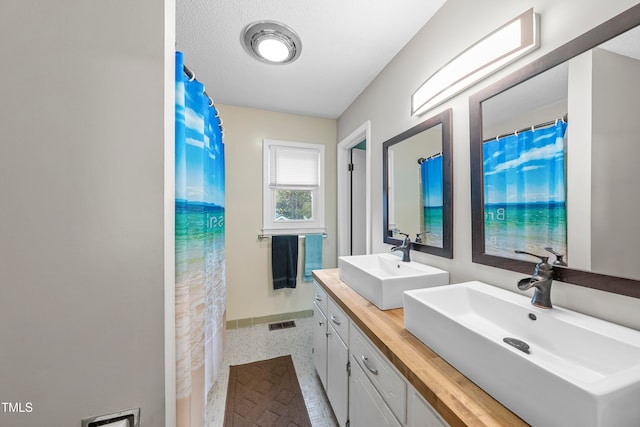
(408, 203)
(250, 291)
(615, 172)
(386, 103)
(81, 216)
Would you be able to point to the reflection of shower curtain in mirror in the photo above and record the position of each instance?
(199, 234)
(431, 177)
(525, 192)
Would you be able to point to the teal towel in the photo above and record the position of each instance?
(312, 255)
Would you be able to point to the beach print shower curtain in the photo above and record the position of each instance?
(199, 235)
(525, 192)
(431, 178)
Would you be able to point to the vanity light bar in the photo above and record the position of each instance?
(514, 39)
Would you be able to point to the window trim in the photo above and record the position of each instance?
(269, 225)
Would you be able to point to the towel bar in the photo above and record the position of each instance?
(301, 236)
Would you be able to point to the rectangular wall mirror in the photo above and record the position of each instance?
(554, 154)
(417, 172)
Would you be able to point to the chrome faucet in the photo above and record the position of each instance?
(405, 248)
(541, 280)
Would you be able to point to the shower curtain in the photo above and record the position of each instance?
(431, 178)
(525, 192)
(199, 240)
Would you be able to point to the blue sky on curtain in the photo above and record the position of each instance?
(432, 185)
(525, 192)
(199, 233)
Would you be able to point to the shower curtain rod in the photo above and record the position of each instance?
(564, 118)
(192, 76)
(421, 160)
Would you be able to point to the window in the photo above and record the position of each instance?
(293, 192)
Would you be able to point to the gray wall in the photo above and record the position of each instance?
(81, 216)
(386, 103)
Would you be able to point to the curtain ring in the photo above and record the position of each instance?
(556, 123)
(533, 128)
(515, 132)
(498, 138)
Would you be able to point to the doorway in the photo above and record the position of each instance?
(354, 193)
(357, 177)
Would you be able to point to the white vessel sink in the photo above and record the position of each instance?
(579, 370)
(382, 278)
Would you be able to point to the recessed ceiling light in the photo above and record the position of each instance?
(272, 42)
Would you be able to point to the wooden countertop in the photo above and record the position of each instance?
(458, 400)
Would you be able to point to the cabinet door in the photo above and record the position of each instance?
(421, 414)
(366, 407)
(337, 375)
(320, 344)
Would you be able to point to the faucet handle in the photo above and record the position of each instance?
(559, 260)
(543, 259)
(419, 235)
(406, 238)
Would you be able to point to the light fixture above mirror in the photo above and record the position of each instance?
(514, 39)
(272, 42)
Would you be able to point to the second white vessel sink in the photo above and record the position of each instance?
(553, 368)
(382, 278)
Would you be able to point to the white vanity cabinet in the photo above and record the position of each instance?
(363, 386)
(330, 352)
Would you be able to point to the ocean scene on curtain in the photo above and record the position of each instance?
(199, 239)
(525, 193)
(431, 183)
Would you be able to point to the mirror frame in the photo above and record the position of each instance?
(598, 35)
(443, 119)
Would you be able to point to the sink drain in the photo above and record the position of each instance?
(519, 344)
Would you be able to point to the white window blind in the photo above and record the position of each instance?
(293, 187)
(297, 167)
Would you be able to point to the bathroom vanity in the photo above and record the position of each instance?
(377, 373)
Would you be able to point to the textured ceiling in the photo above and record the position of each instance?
(345, 44)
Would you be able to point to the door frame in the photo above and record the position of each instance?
(363, 132)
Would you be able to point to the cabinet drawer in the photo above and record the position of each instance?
(320, 297)
(366, 406)
(338, 320)
(386, 379)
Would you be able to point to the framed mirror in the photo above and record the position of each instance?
(554, 152)
(418, 199)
